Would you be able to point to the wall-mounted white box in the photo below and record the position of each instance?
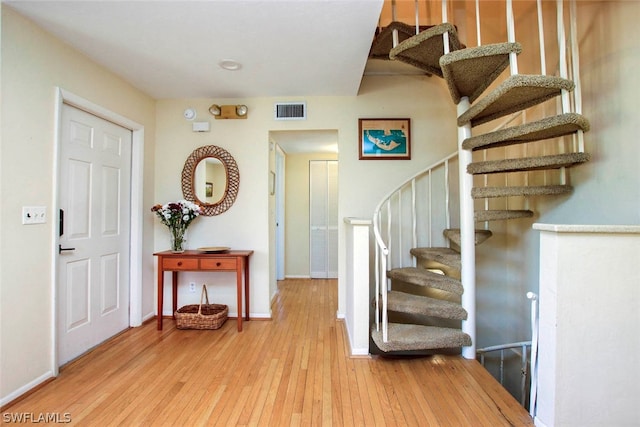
(201, 126)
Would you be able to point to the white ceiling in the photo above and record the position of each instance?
(172, 49)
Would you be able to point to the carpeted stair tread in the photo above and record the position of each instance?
(383, 41)
(525, 164)
(498, 215)
(549, 127)
(453, 234)
(542, 190)
(425, 49)
(405, 337)
(403, 302)
(516, 93)
(426, 278)
(468, 72)
(445, 256)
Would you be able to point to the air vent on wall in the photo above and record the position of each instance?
(291, 111)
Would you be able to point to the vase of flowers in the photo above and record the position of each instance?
(177, 216)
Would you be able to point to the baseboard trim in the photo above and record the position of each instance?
(538, 423)
(26, 390)
(354, 353)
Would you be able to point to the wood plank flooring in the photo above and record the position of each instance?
(294, 370)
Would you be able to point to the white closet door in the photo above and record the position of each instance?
(323, 218)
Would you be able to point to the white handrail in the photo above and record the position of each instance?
(543, 59)
(383, 246)
(414, 219)
(413, 177)
(417, 13)
(523, 357)
(562, 52)
(430, 207)
(447, 195)
(534, 353)
(575, 64)
(511, 38)
(394, 33)
(478, 32)
(445, 35)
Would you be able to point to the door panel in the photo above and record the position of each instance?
(110, 201)
(110, 289)
(94, 191)
(78, 213)
(77, 301)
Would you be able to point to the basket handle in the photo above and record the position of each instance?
(204, 294)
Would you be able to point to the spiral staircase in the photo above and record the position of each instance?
(423, 304)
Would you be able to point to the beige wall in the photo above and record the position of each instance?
(33, 65)
(250, 222)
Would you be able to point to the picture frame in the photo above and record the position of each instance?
(384, 139)
(208, 189)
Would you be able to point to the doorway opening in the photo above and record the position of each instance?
(293, 192)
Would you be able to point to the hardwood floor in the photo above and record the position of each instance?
(294, 370)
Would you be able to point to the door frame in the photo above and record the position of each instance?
(136, 226)
(280, 160)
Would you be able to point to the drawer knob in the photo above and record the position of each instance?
(218, 264)
(179, 263)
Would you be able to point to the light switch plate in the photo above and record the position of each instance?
(34, 214)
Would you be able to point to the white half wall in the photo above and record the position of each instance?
(589, 321)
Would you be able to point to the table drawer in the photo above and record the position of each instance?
(180, 264)
(218, 264)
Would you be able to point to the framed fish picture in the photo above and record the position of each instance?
(384, 139)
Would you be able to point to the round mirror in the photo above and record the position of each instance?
(210, 178)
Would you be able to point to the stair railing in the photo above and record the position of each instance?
(413, 210)
(575, 69)
(524, 369)
(384, 255)
(528, 359)
(533, 394)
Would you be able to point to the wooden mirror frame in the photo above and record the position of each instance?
(233, 178)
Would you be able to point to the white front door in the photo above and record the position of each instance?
(93, 261)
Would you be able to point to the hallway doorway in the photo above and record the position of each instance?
(299, 149)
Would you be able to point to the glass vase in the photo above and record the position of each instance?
(178, 240)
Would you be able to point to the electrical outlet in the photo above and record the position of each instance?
(192, 287)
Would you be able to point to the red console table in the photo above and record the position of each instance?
(237, 261)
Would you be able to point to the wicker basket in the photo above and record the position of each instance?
(201, 316)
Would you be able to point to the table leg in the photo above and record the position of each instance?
(174, 284)
(160, 293)
(239, 291)
(246, 287)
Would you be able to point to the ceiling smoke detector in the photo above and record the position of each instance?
(230, 65)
